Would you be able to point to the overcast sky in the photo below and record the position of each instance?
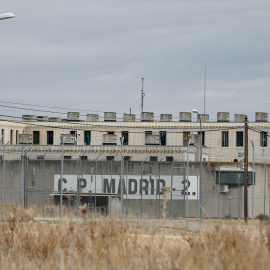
(89, 55)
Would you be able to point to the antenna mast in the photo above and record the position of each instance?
(142, 96)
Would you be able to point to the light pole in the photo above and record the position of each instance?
(121, 184)
(44, 185)
(186, 180)
(63, 139)
(6, 16)
(4, 177)
(253, 144)
(96, 182)
(196, 111)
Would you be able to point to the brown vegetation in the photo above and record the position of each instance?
(107, 243)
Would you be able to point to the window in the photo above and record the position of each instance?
(225, 139)
(17, 136)
(3, 136)
(263, 139)
(148, 132)
(109, 158)
(170, 158)
(84, 158)
(203, 137)
(239, 138)
(125, 136)
(35, 137)
(154, 158)
(126, 158)
(111, 132)
(50, 137)
(233, 178)
(11, 137)
(67, 157)
(87, 137)
(185, 137)
(163, 137)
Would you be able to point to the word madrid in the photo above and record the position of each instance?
(133, 186)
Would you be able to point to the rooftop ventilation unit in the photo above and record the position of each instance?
(223, 188)
(73, 116)
(54, 119)
(166, 118)
(110, 116)
(42, 118)
(25, 139)
(185, 116)
(223, 117)
(28, 117)
(147, 117)
(70, 138)
(261, 117)
(239, 118)
(109, 139)
(151, 139)
(204, 118)
(129, 117)
(92, 117)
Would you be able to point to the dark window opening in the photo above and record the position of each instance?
(153, 158)
(225, 138)
(125, 136)
(263, 139)
(203, 137)
(35, 137)
(87, 137)
(163, 137)
(50, 137)
(239, 138)
(185, 137)
(170, 158)
(11, 137)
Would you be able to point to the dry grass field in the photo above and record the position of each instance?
(100, 242)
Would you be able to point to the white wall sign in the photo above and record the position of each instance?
(132, 185)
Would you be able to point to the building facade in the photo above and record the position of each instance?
(155, 154)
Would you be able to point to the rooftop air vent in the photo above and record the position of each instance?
(110, 116)
(109, 139)
(92, 117)
(25, 138)
(151, 139)
(185, 116)
(204, 118)
(42, 118)
(223, 117)
(69, 138)
(261, 117)
(129, 117)
(239, 118)
(166, 118)
(54, 119)
(73, 116)
(28, 117)
(147, 117)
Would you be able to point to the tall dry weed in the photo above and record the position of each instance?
(107, 243)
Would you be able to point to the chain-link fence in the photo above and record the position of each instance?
(95, 186)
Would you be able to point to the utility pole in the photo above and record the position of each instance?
(246, 171)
